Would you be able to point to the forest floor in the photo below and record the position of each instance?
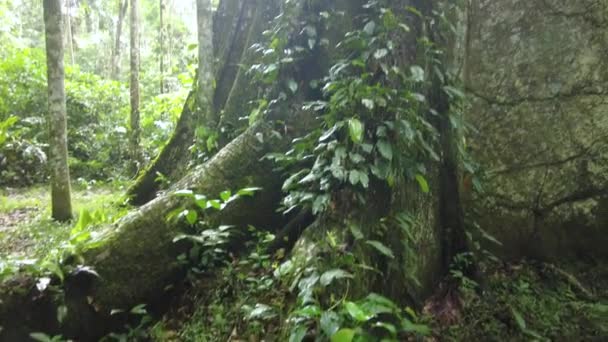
(26, 229)
(519, 301)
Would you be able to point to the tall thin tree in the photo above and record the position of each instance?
(161, 44)
(205, 80)
(135, 124)
(61, 203)
(122, 12)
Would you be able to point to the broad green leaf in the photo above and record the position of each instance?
(370, 28)
(424, 185)
(214, 204)
(344, 335)
(356, 231)
(417, 73)
(380, 53)
(364, 179)
(139, 309)
(420, 329)
(454, 92)
(293, 86)
(380, 247)
(327, 134)
(368, 103)
(184, 193)
(385, 148)
(201, 201)
(330, 323)
(261, 312)
(329, 276)
(191, 217)
(225, 195)
(41, 337)
(519, 319)
(356, 312)
(248, 191)
(309, 311)
(355, 130)
(353, 177)
(298, 334)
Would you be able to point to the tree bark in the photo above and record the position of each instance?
(135, 125)
(161, 43)
(58, 151)
(234, 23)
(122, 12)
(205, 80)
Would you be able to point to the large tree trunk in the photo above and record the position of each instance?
(58, 150)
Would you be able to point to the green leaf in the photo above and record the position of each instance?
(353, 177)
(248, 191)
(356, 312)
(327, 134)
(330, 323)
(261, 312)
(184, 193)
(364, 179)
(214, 204)
(344, 335)
(41, 337)
(368, 103)
(329, 276)
(293, 86)
(424, 185)
(380, 53)
(355, 130)
(309, 311)
(369, 28)
(417, 73)
(201, 201)
(191, 217)
(356, 231)
(454, 92)
(139, 309)
(419, 329)
(225, 195)
(380, 247)
(519, 319)
(298, 334)
(385, 148)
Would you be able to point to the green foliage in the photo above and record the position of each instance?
(375, 120)
(521, 302)
(96, 119)
(209, 242)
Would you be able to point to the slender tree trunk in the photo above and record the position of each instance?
(134, 87)
(161, 44)
(58, 148)
(68, 6)
(122, 12)
(205, 91)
